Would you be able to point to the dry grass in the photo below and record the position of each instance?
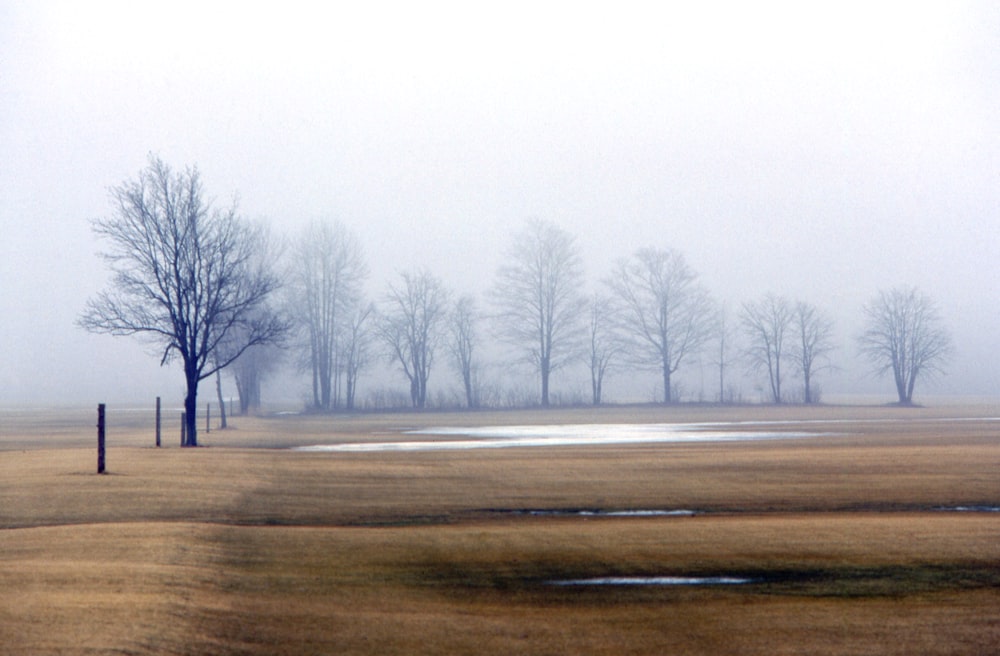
(234, 549)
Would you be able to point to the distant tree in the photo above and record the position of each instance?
(328, 273)
(724, 352)
(186, 276)
(605, 344)
(249, 372)
(356, 350)
(538, 299)
(765, 323)
(463, 341)
(904, 335)
(667, 316)
(412, 328)
(813, 344)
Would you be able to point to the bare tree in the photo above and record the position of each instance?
(538, 299)
(412, 326)
(249, 372)
(356, 350)
(765, 323)
(329, 270)
(904, 335)
(605, 344)
(813, 344)
(725, 351)
(186, 276)
(667, 314)
(463, 341)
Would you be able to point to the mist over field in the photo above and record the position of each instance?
(820, 152)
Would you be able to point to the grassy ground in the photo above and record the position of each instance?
(239, 549)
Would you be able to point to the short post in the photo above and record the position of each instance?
(100, 438)
(157, 421)
(208, 418)
(184, 424)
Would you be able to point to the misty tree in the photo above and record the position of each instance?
(249, 371)
(538, 300)
(185, 275)
(604, 344)
(667, 316)
(328, 273)
(462, 343)
(813, 344)
(724, 353)
(765, 323)
(904, 335)
(356, 350)
(412, 327)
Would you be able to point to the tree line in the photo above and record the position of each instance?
(210, 289)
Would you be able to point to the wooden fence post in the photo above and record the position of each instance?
(184, 424)
(157, 421)
(208, 418)
(100, 438)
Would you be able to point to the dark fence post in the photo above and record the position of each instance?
(184, 425)
(100, 438)
(157, 421)
(208, 418)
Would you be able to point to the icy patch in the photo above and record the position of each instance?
(500, 437)
(612, 513)
(979, 509)
(656, 580)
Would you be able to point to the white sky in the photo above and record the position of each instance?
(817, 150)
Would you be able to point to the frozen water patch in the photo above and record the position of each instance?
(976, 509)
(612, 513)
(500, 437)
(656, 580)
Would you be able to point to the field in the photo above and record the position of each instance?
(879, 535)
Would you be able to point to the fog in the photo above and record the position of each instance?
(817, 151)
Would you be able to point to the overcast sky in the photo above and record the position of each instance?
(821, 151)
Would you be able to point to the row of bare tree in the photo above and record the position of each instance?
(204, 285)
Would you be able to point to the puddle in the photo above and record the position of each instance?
(610, 513)
(977, 509)
(656, 580)
(500, 437)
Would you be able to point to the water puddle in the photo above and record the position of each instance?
(975, 509)
(609, 513)
(656, 580)
(500, 437)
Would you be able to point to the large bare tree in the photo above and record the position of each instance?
(328, 273)
(538, 299)
(904, 335)
(765, 324)
(667, 315)
(412, 327)
(813, 345)
(185, 275)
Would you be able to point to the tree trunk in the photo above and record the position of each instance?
(545, 384)
(467, 379)
(222, 402)
(191, 411)
(666, 384)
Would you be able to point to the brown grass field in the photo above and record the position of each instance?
(244, 547)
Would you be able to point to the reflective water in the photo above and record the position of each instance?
(656, 580)
(499, 437)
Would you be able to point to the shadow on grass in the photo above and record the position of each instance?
(894, 581)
